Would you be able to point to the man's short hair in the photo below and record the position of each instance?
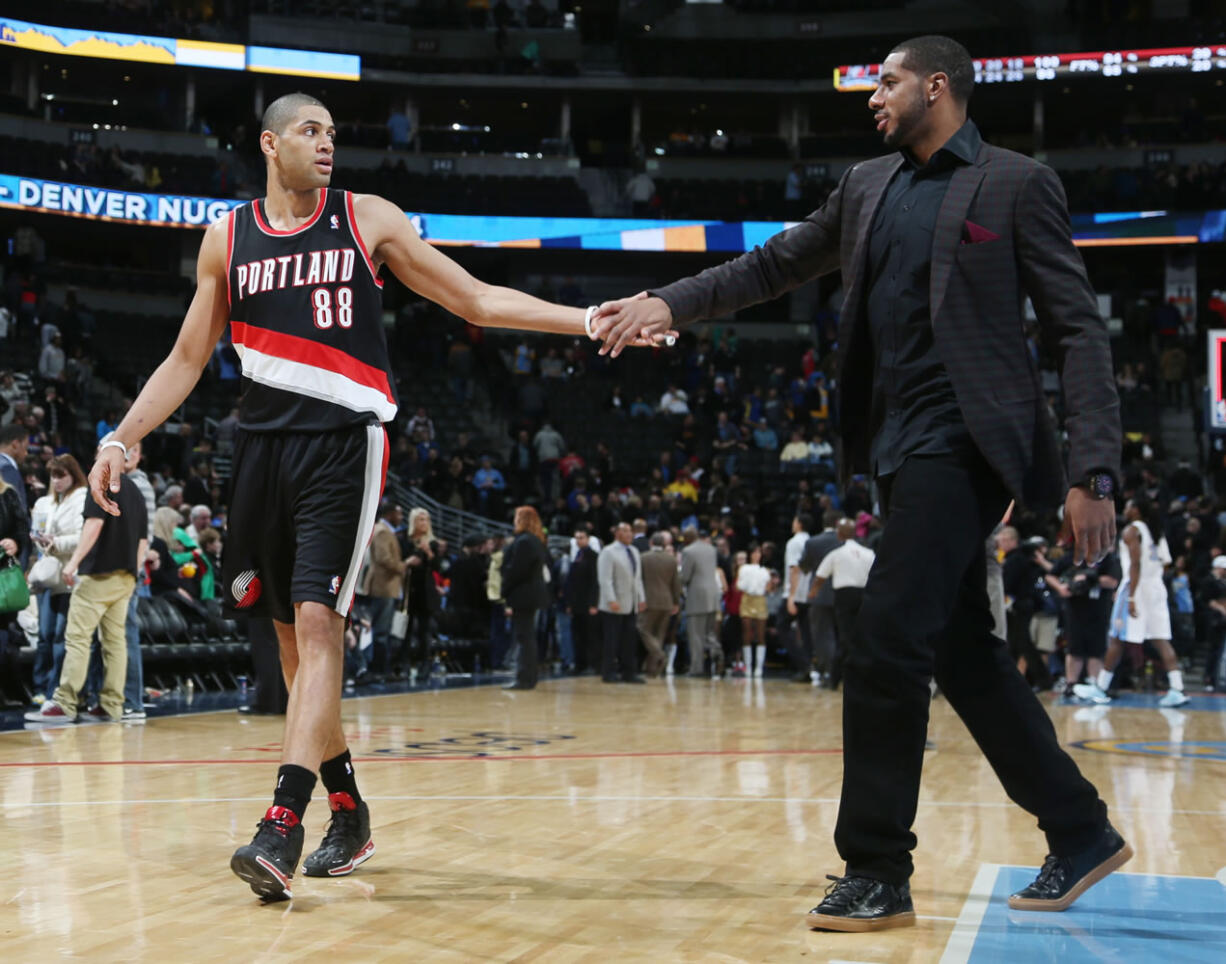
(387, 507)
(12, 433)
(933, 54)
(281, 112)
(659, 539)
(201, 510)
(806, 522)
(831, 518)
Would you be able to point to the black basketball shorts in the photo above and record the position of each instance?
(302, 510)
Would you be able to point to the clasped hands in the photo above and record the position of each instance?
(641, 321)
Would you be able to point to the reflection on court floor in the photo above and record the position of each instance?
(1127, 917)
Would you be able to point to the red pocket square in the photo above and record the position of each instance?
(972, 233)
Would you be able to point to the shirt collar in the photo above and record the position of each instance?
(962, 146)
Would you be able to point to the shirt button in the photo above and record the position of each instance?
(906, 207)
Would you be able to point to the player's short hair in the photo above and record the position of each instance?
(281, 112)
(933, 54)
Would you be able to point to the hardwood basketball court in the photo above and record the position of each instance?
(686, 821)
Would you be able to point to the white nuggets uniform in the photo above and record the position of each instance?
(1153, 618)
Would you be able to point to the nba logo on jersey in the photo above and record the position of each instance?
(335, 585)
(335, 222)
(245, 589)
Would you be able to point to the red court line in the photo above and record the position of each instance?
(390, 758)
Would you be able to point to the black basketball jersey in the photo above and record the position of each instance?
(306, 317)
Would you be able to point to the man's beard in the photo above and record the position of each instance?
(906, 124)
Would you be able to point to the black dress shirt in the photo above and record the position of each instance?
(914, 403)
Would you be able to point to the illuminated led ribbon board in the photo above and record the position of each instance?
(181, 53)
(1104, 63)
(592, 234)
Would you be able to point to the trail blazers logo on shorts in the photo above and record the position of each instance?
(246, 589)
(335, 585)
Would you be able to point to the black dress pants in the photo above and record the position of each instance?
(523, 631)
(620, 646)
(800, 640)
(586, 633)
(847, 603)
(925, 613)
(270, 693)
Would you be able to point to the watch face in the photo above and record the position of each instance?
(1101, 485)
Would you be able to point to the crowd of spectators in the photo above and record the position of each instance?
(721, 434)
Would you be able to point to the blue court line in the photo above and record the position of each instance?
(1127, 917)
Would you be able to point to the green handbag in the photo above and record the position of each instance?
(14, 593)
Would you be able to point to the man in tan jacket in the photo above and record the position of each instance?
(383, 582)
(662, 582)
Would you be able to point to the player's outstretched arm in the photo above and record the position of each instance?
(173, 380)
(393, 241)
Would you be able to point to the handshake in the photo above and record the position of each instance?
(640, 321)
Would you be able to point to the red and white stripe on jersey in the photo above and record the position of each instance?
(306, 367)
(229, 255)
(357, 236)
(377, 452)
(268, 229)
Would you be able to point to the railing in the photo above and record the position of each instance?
(453, 524)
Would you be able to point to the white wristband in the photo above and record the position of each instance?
(115, 443)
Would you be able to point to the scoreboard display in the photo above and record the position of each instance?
(1217, 380)
(1042, 67)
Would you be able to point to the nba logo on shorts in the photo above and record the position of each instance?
(245, 589)
(335, 585)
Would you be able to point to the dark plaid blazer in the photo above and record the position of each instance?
(1002, 232)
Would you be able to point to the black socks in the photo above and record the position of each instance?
(337, 775)
(294, 786)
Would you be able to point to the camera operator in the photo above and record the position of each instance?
(1213, 593)
(1021, 573)
(1087, 591)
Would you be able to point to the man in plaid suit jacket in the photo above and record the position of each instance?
(938, 396)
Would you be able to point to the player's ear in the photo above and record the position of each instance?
(268, 143)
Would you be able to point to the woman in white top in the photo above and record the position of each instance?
(56, 521)
(752, 580)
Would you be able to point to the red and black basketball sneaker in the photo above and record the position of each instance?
(347, 841)
(268, 862)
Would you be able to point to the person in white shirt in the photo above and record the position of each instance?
(796, 585)
(1141, 614)
(56, 522)
(797, 450)
(847, 569)
(752, 580)
(674, 402)
(201, 519)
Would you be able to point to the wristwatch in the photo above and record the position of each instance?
(1100, 485)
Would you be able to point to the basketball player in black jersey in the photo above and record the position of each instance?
(295, 275)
